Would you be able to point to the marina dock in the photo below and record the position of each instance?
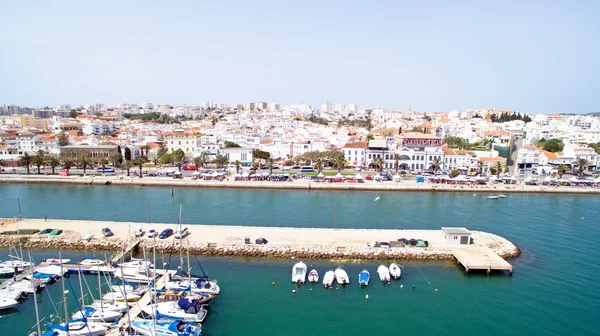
(480, 258)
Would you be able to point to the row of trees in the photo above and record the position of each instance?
(506, 116)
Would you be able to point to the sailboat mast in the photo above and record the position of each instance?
(62, 287)
(80, 283)
(35, 303)
(180, 240)
(154, 276)
(20, 246)
(99, 286)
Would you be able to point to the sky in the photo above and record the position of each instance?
(528, 56)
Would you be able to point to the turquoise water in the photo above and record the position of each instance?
(554, 290)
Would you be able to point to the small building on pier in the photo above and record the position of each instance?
(456, 236)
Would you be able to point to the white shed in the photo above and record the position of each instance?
(456, 236)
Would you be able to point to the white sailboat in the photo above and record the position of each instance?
(140, 264)
(97, 315)
(78, 329)
(313, 276)
(395, 271)
(6, 272)
(16, 263)
(328, 278)
(110, 305)
(166, 328)
(384, 273)
(133, 275)
(54, 261)
(341, 277)
(299, 273)
(187, 310)
(91, 262)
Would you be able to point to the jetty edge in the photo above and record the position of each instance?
(232, 241)
(405, 185)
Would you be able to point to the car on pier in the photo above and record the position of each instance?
(107, 232)
(55, 232)
(45, 231)
(166, 233)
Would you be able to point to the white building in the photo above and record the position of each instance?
(456, 236)
(180, 139)
(244, 155)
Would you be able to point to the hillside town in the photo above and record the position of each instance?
(254, 134)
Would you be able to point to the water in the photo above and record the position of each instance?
(554, 290)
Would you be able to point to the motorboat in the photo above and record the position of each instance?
(186, 309)
(88, 237)
(120, 307)
(97, 315)
(7, 303)
(53, 261)
(28, 286)
(341, 277)
(121, 297)
(134, 275)
(313, 276)
(328, 278)
(196, 286)
(384, 273)
(16, 294)
(6, 272)
(166, 328)
(51, 271)
(78, 328)
(492, 197)
(395, 271)
(17, 264)
(363, 278)
(172, 295)
(136, 263)
(299, 273)
(91, 262)
(502, 196)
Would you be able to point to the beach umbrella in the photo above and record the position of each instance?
(320, 175)
(339, 175)
(358, 176)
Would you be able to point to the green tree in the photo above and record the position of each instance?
(378, 164)
(62, 139)
(230, 144)
(554, 145)
(53, 161)
(298, 159)
(203, 158)
(319, 164)
(238, 164)
(67, 163)
(499, 168)
(38, 160)
(270, 162)
(454, 173)
(115, 157)
(369, 124)
(178, 157)
(140, 161)
(162, 150)
(103, 162)
(339, 162)
(220, 160)
(127, 166)
(127, 154)
(197, 161)
(370, 137)
(436, 164)
(418, 129)
(455, 142)
(581, 164)
(561, 170)
(480, 165)
(166, 159)
(26, 160)
(261, 155)
(83, 160)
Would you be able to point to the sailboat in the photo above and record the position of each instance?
(341, 277)
(364, 278)
(110, 305)
(299, 273)
(97, 315)
(328, 278)
(6, 272)
(166, 328)
(395, 271)
(54, 261)
(91, 262)
(187, 310)
(133, 275)
(137, 263)
(384, 273)
(16, 263)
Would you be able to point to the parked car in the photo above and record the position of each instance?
(151, 232)
(45, 231)
(55, 232)
(384, 245)
(107, 232)
(261, 241)
(139, 231)
(286, 168)
(180, 234)
(166, 233)
(296, 167)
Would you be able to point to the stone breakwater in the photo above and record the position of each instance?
(499, 245)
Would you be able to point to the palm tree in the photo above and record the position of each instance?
(140, 163)
(103, 162)
(203, 158)
(38, 160)
(581, 163)
(220, 160)
(561, 170)
(178, 157)
(339, 162)
(115, 157)
(197, 160)
(379, 163)
(499, 167)
(26, 160)
(298, 160)
(436, 164)
(127, 166)
(480, 165)
(270, 161)
(319, 164)
(53, 161)
(237, 163)
(83, 159)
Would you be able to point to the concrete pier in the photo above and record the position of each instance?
(480, 258)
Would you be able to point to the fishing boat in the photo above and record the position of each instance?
(313, 276)
(120, 307)
(328, 278)
(78, 328)
(166, 328)
(364, 278)
(141, 264)
(384, 273)
(395, 271)
(91, 262)
(97, 315)
(187, 310)
(7, 303)
(53, 261)
(6, 272)
(299, 273)
(341, 277)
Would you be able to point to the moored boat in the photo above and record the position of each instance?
(341, 277)
(187, 310)
(17, 264)
(97, 315)
(120, 307)
(54, 261)
(313, 276)
(384, 273)
(363, 278)
(91, 262)
(299, 273)
(166, 328)
(395, 271)
(7, 303)
(78, 328)
(492, 197)
(136, 263)
(328, 278)
(6, 272)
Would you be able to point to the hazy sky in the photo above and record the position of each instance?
(531, 56)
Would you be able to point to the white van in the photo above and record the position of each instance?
(179, 234)
(139, 231)
(151, 232)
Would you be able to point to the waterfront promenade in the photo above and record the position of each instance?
(404, 185)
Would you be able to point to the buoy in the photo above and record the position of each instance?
(367, 296)
(337, 288)
(436, 289)
(581, 217)
(413, 286)
(273, 283)
(294, 291)
(401, 286)
(311, 289)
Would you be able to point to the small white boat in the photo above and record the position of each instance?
(120, 307)
(134, 275)
(50, 271)
(53, 261)
(97, 315)
(13, 293)
(341, 277)
(299, 273)
(16, 263)
(27, 286)
(187, 310)
(6, 272)
(78, 329)
(166, 328)
(395, 271)
(492, 197)
(136, 263)
(384, 273)
(91, 262)
(502, 196)
(7, 303)
(197, 286)
(88, 237)
(121, 297)
(313, 276)
(328, 278)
